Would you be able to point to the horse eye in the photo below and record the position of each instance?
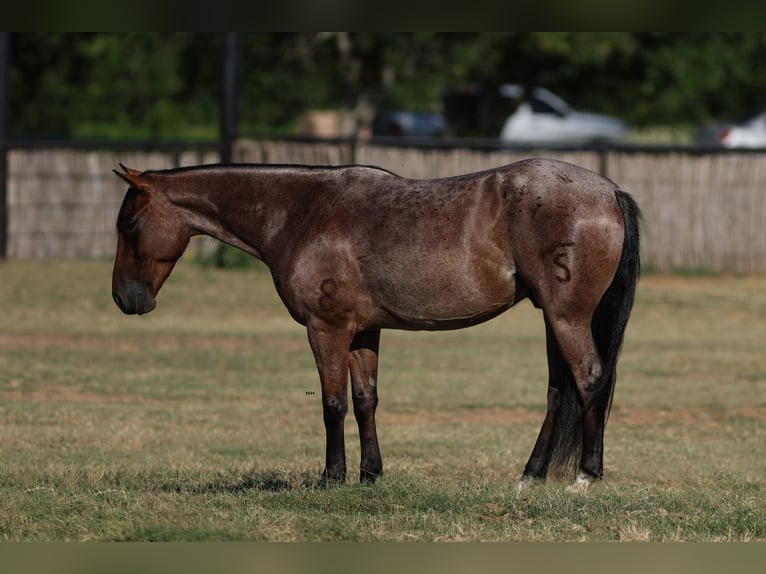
(127, 225)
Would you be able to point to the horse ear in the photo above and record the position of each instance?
(133, 178)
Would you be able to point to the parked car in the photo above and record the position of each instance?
(409, 124)
(543, 117)
(749, 134)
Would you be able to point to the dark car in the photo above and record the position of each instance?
(409, 124)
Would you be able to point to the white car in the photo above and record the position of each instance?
(543, 117)
(751, 134)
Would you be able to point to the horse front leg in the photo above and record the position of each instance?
(364, 384)
(331, 353)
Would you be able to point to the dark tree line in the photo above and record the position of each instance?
(168, 84)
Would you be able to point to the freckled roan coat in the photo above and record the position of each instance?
(355, 249)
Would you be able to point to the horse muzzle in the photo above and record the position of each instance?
(134, 301)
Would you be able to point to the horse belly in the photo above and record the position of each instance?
(443, 290)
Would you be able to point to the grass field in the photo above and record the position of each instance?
(202, 420)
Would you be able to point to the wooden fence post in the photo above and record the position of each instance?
(229, 111)
(4, 63)
(229, 95)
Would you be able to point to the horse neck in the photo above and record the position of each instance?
(247, 207)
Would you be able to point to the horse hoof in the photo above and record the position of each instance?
(581, 484)
(331, 479)
(524, 483)
(369, 477)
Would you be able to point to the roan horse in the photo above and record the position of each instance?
(353, 250)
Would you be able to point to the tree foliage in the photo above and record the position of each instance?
(168, 84)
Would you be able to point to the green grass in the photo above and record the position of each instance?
(197, 422)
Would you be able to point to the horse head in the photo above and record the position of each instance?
(151, 236)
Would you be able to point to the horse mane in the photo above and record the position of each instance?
(267, 167)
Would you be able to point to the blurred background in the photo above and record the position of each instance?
(169, 85)
(675, 118)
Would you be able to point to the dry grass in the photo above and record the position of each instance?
(194, 422)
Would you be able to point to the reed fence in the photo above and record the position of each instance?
(701, 210)
(63, 203)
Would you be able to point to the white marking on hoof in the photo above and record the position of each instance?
(524, 484)
(581, 484)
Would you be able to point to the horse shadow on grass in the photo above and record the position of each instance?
(254, 480)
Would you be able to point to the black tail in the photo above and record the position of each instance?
(612, 314)
(608, 328)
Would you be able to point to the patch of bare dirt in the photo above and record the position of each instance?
(64, 394)
(685, 416)
(27, 341)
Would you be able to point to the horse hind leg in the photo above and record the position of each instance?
(363, 365)
(570, 284)
(578, 348)
(559, 383)
(588, 322)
